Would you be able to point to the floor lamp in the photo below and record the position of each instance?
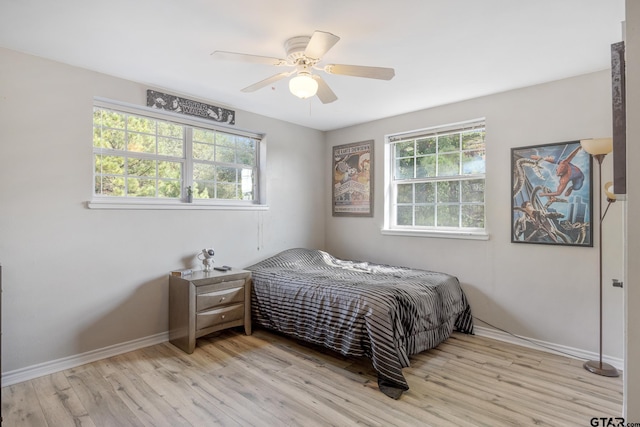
(598, 149)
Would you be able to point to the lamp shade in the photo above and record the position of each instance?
(303, 86)
(597, 146)
(608, 190)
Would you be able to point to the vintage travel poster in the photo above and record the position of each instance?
(352, 181)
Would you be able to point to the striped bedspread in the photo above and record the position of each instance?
(357, 308)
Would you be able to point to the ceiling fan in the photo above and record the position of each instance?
(304, 53)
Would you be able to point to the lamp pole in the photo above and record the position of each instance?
(599, 367)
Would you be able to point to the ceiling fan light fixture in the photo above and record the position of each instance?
(303, 86)
(303, 55)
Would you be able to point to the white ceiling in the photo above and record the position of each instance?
(443, 51)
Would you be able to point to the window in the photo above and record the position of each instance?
(436, 180)
(223, 165)
(144, 155)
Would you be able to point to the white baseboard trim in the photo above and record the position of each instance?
(46, 368)
(547, 346)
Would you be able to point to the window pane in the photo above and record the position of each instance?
(449, 164)
(473, 162)
(426, 167)
(225, 139)
(203, 151)
(448, 215)
(225, 154)
(473, 140)
(169, 189)
(140, 167)
(404, 149)
(141, 124)
(109, 138)
(203, 172)
(246, 144)
(112, 165)
(425, 216)
(97, 137)
(170, 170)
(404, 215)
(204, 190)
(472, 190)
(204, 135)
(97, 117)
(246, 156)
(170, 129)
(447, 143)
(448, 191)
(426, 146)
(110, 186)
(405, 193)
(247, 184)
(425, 192)
(404, 168)
(139, 187)
(227, 191)
(141, 143)
(227, 174)
(170, 147)
(112, 119)
(473, 216)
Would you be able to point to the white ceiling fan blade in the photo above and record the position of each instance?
(266, 82)
(319, 44)
(361, 71)
(324, 94)
(252, 59)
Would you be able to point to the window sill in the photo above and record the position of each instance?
(160, 205)
(466, 235)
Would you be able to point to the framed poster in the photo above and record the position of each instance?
(552, 188)
(352, 179)
(618, 102)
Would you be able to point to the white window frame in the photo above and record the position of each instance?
(390, 195)
(112, 202)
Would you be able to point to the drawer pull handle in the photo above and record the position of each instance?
(222, 299)
(223, 316)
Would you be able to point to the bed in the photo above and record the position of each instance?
(360, 309)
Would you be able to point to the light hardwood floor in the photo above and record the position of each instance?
(269, 380)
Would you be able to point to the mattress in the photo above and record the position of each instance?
(357, 308)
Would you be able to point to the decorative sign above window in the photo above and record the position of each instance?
(176, 104)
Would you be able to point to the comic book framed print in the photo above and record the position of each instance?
(352, 179)
(552, 195)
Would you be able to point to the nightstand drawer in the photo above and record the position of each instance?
(218, 316)
(208, 301)
(217, 298)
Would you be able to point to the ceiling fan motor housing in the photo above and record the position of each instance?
(295, 47)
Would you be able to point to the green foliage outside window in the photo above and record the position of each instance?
(144, 157)
(222, 165)
(439, 180)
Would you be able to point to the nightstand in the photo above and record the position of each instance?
(206, 302)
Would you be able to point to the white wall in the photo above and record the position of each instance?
(632, 284)
(76, 279)
(539, 291)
